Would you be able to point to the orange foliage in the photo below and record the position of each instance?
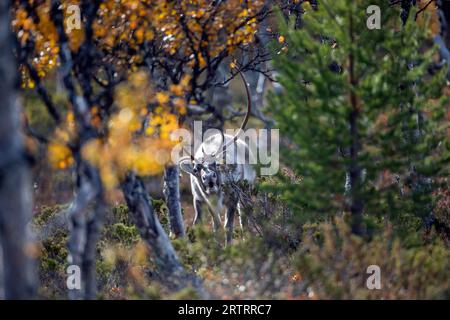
(59, 154)
(44, 35)
(136, 137)
(123, 150)
(193, 28)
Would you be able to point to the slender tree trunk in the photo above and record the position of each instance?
(152, 232)
(2, 287)
(85, 226)
(15, 182)
(355, 177)
(93, 229)
(444, 17)
(77, 240)
(442, 40)
(354, 171)
(172, 195)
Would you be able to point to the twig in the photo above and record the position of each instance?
(423, 9)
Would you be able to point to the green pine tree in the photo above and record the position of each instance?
(359, 105)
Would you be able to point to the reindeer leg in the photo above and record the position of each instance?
(244, 213)
(216, 209)
(229, 222)
(198, 211)
(243, 217)
(216, 220)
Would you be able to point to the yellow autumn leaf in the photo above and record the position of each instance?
(59, 155)
(162, 98)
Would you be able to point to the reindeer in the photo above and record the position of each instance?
(215, 183)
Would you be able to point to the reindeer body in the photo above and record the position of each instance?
(234, 168)
(218, 168)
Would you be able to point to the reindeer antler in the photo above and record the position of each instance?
(244, 123)
(236, 136)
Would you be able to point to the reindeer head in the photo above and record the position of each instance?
(206, 169)
(206, 174)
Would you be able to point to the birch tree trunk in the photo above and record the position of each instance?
(173, 201)
(152, 232)
(15, 183)
(85, 226)
(93, 229)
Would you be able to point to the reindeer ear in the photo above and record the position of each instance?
(187, 166)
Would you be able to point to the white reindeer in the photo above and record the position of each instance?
(214, 177)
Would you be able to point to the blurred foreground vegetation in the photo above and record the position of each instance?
(323, 260)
